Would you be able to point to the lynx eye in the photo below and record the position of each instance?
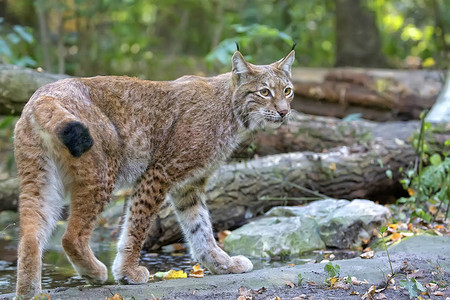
(287, 91)
(264, 92)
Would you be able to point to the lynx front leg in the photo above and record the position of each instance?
(146, 200)
(194, 219)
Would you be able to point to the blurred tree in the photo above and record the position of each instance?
(358, 42)
(163, 39)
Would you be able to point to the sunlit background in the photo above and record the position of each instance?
(163, 39)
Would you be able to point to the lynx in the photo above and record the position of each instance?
(85, 137)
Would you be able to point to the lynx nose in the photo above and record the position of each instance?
(283, 112)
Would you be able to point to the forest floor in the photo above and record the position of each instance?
(424, 259)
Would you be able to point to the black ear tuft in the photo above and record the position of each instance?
(237, 46)
(293, 46)
(76, 137)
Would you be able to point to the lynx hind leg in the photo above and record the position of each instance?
(91, 189)
(40, 203)
(148, 195)
(194, 219)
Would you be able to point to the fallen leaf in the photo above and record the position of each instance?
(438, 293)
(432, 209)
(396, 236)
(332, 281)
(432, 287)
(222, 235)
(393, 226)
(289, 284)
(333, 166)
(291, 265)
(172, 274)
(342, 285)
(115, 297)
(194, 292)
(367, 255)
(411, 192)
(438, 227)
(380, 296)
(355, 281)
(369, 295)
(197, 272)
(354, 293)
(416, 274)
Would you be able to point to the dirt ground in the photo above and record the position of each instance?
(425, 259)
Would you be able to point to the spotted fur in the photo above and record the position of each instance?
(85, 137)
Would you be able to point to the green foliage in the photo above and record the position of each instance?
(261, 42)
(414, 29)
(427, 185)
(382, 231)
(332, 271)
(14, 43)
(165, 39)
(300, 279)
(413, 287)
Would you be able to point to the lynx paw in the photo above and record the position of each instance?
(234, 264)
(96, 275)
(137, 275)
(240, 264)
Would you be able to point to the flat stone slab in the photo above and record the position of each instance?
(421, 252)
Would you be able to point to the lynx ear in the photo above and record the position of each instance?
(239, 65)
(286, 63)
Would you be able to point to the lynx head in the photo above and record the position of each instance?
(262, 93)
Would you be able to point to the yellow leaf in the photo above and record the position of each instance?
(393, 226)
(433, 209)
(396, 236)
(115, 297)
(428, 62)
(197, 272)
(411, 192)
(333, 166)
(172, 274)
(333, 281)
(222, 235)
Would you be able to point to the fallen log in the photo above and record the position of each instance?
(377, 94)
(238, 192)
(17, 84)
(316, 133)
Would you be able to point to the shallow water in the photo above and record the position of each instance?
(58, 272)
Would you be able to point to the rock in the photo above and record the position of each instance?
(348, 225)
(294, 230)
(275, 236)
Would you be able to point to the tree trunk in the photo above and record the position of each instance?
(358, 42)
